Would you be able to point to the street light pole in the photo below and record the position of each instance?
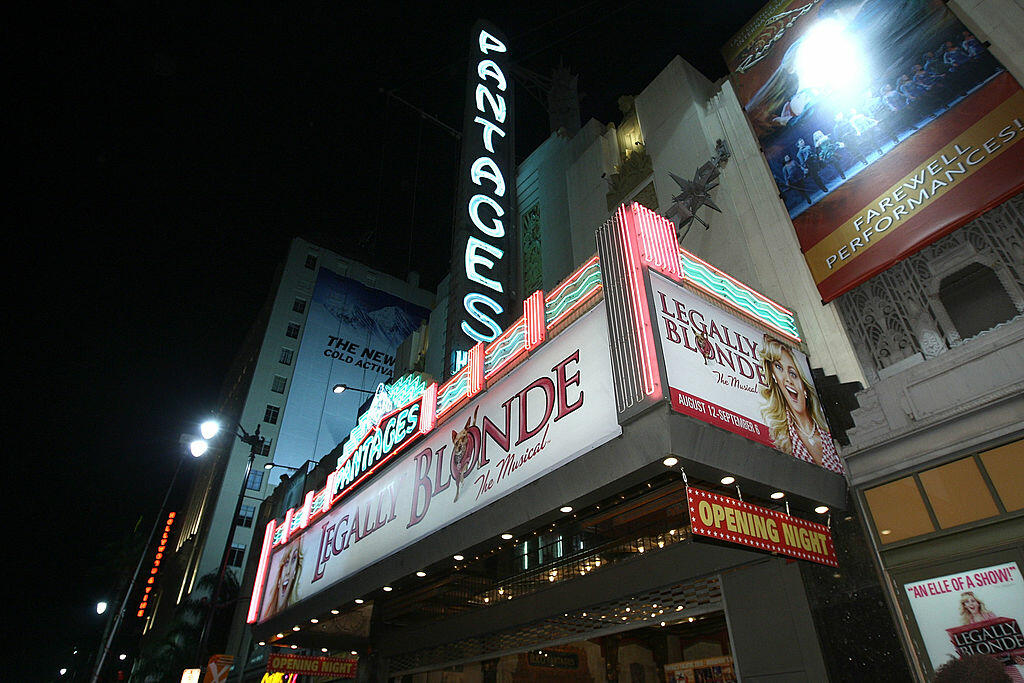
(135, 576)
(255, 443)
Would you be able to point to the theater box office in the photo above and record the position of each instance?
(528, 519)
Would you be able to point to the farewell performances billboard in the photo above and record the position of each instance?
(724, 370)
(554, 407)
(974, 612)
(351, 334)
(886, 125)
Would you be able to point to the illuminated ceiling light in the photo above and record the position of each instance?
(663, 623)
(63, 671)
(354, 652)
(728, 480)
(209, 429)
(670, 461)
(295, 647)
(314, 621)
(458, 558)
(421, 574)
(324, 650)
(777, 495)
(359, 601)
(507, 536)
(280, 635)
(295, 628)
(886, 532)
(122, 656)
(198, 448)
(565, 508)
(821, 509)
(262, 643)
(387, 589)
(690, 620)
(334, 611)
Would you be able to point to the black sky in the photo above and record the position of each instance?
(165, 153)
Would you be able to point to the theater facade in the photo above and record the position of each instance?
(632, 482)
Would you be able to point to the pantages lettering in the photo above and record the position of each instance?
(503, 443)
(726, 348)
(998, 636)
(391, 433)
(485, 207)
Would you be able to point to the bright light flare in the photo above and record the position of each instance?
(198, 447)
(828, 58)
(209, 429)
(101, 607)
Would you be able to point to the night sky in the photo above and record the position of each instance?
(165, 154)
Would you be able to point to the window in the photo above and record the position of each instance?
(286, 356)
(975, 300)
(299, 306)
(236, 555)
(1003, 466)
(898, 510)
(278, 384)
(293, 330)
(957, 493)
(265, 448)
(245, 515)
(271, 413)
(255, 480)
(311, 262)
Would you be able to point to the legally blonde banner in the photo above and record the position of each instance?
(886, 126)
(557, 405)
(724, 370)
(974, 612)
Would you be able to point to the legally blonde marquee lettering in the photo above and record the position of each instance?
(486, 208)
(555, 406)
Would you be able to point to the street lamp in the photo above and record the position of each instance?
(209, 429)
(101, 607)
(340, 388)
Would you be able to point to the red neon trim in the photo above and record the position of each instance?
(261, 573)
(428, 411)
(534, 314)
(570, 280)
(637, 292)
(454, 379)
(476, 369)
(287, 526)
(509, 331)
(307, 508)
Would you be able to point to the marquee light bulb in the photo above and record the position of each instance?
(728, 480)
(421, 574)
(507, 537)
(565, 508)
(670, 461)
(777, 495)
(821, 509)
(458, 558)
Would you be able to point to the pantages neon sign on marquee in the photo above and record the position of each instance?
(482, 268)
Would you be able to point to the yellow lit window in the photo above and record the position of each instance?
(898, 510)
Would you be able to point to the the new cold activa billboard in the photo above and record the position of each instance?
(886, 125)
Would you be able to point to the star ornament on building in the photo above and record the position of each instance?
(696, 193)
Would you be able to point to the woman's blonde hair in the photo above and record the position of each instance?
(293, 589)
(775, 411)
(965, 616)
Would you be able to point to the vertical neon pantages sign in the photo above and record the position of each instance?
(482, 261)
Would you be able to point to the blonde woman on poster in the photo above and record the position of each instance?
(791, 410)
(973, 610)
(285, 590)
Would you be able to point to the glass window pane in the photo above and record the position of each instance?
(898, 510)
(1005, 467)
(957, 493)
